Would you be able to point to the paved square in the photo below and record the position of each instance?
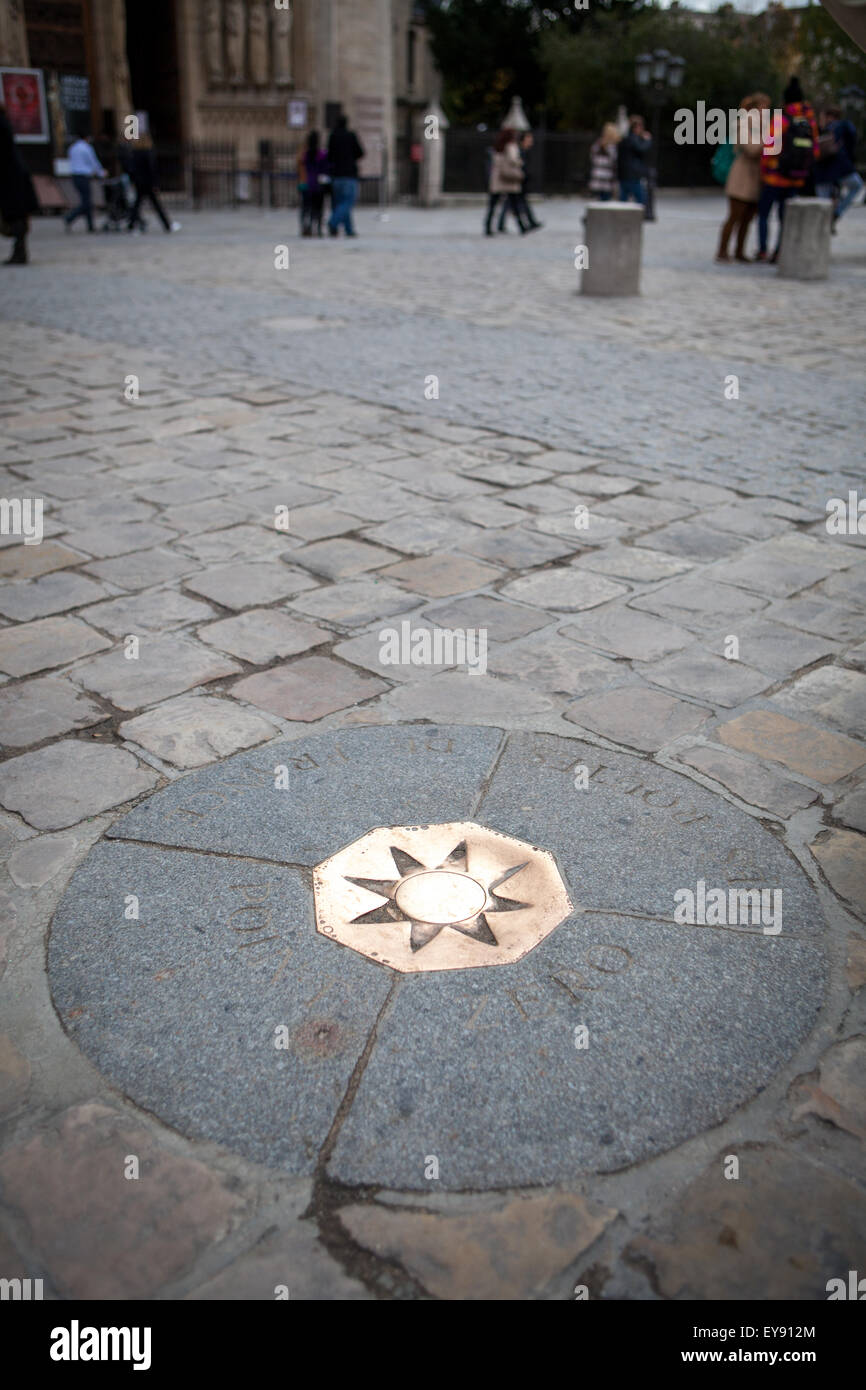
(196, 709)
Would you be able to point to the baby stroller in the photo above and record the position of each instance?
(117, 204)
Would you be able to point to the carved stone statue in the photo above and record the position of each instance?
(283, 44)
(259, 49)
(212, 33)
(236, 25)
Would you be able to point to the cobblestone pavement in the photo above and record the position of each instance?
(304, 389)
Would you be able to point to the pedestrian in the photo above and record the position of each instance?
(142, 170)
(743, 184)
(603, 164)
(787, 162)
(344, 151)
(313, 179)
(83, 166)
(17, 195)
(836, 174)
(506, 179)
(529, 219)
(633, 169)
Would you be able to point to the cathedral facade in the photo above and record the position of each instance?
(246, 72)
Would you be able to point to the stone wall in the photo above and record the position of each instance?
(242, 61)
(13, 35)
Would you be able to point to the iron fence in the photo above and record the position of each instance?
(211, 174)
(558, 162)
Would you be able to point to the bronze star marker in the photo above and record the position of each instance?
(421, 898)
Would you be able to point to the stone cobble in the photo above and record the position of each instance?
(220, 558)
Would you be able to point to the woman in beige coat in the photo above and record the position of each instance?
(506, 179)
(743, 185)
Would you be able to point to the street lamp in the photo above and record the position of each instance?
(658, 74)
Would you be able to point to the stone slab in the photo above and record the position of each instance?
(349, 780)
(478, 1067)
(638, 832)
(183, 1010)
(195, 729)
(733, 1240)
(67, 781)
(482, 1072)
(308, 689)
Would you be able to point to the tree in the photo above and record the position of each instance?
(489, 51)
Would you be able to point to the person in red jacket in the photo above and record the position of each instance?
(787, 161)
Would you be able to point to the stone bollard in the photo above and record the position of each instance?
(614, 232)
(432, 173)
(805, 250)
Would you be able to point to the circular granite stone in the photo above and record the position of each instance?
(220, 1009)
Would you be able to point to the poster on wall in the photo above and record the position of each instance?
(297, 114)
(22, 92)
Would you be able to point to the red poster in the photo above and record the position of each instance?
(23, 94)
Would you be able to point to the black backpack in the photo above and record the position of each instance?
(797, 154)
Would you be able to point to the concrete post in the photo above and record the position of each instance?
(610, 259)
(805, 250)
(432, 172)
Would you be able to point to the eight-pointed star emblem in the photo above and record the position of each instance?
(434, 897)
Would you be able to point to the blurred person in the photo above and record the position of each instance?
(633, 168)
(743, 184)
(787, 162)
(533, 225)
(17, 195)
(836, 174)
(603, 164)
(313, 179)
(83, 166)
(506, 179)
(344, 151)
(142, 170)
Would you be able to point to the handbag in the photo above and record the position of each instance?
(721, 163)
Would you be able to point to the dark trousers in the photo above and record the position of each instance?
(512, 205)
(312, 205)
(18, 228)
(526, 213)
(770, 197)
(135, 217)
(85, 202)
(740, 214)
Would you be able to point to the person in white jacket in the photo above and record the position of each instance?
(83, 166)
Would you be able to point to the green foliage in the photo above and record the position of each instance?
(573, 67)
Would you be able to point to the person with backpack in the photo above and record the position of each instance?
(787, 162)
(836, 174)
(313, 179)
(743, 181)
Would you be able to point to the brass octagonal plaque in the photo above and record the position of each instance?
(439, 897)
